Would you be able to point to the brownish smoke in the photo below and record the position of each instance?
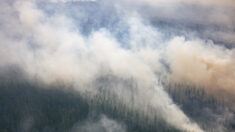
(205, 65)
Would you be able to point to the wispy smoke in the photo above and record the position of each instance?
(54, 46)
(104, 124)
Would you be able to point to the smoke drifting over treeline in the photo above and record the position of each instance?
(135, 45)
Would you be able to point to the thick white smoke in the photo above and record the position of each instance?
(51, 48)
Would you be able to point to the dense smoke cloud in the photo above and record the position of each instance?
(205, 55)
(52, 47)
(202, 63)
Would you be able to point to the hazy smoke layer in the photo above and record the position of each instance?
(53, 45)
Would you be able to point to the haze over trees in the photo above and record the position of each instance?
(117, 66)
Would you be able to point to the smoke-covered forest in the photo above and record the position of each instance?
(117, 66)
(29, 107)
